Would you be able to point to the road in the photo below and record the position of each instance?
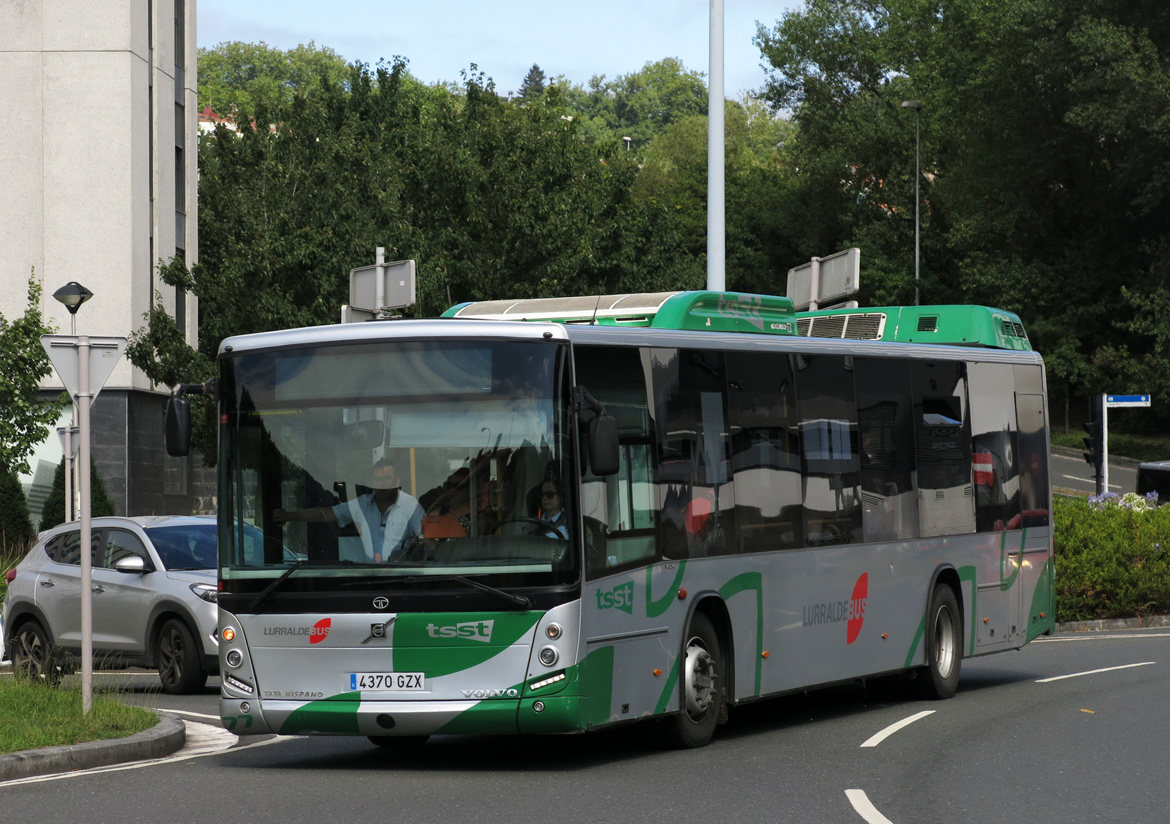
(1070, 471)
(1012, 746)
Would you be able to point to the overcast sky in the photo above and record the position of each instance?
(442, 37)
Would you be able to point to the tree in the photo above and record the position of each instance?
(1044, 152)
(23, 363)
(53, 511)
(237, 77)
(533, 85)
(492, 198)
(15, 524)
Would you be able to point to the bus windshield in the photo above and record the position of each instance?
(383, 464)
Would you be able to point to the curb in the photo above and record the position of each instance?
(165, 738)
(1148, 622)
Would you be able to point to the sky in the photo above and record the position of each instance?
(440, 38)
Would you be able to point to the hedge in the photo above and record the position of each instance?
(1112, 557)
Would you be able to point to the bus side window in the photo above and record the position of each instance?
(942, 443)
(886, 426)
(765, 451)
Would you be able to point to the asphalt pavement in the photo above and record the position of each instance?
(170, 734)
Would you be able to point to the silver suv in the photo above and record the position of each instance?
(154, 600)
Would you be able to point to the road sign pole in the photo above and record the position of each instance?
(83, 403)
(1104, 447)
(69, 467)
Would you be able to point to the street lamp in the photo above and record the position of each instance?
(72, 295)
(916, 105)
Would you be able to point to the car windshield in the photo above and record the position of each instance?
(186, 546)
(395, 460)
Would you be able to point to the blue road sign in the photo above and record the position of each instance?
(1127, 400)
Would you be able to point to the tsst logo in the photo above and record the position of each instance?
(470, 630)
(620, 597)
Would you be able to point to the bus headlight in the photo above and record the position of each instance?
(234, 658)
(548, 656)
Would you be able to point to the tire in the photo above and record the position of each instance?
(943, 640)
(702, 676)
(32, 655)
(398, 742)
(179, 660)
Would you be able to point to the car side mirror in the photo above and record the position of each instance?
(132, 564)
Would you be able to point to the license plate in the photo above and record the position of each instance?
(387, 681)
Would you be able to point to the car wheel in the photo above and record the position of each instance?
(178, 659)
(32, 654)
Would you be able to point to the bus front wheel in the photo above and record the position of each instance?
(944, 646)
(702, 675)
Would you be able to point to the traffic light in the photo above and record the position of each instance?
(1095, 444)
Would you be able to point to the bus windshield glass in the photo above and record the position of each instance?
(382, 463)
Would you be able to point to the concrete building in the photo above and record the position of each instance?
(98, 174)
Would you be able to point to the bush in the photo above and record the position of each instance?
(1112, 558)
(53, 512)
(16, 527)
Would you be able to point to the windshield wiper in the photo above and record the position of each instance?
(264, 593)
(517, 601)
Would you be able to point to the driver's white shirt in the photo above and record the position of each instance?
(381, 532)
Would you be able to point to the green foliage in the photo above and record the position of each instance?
(533, 85)
(38, 715)
(16, 529)
(1044, 145)
(1112, 561)
(53, 512)
(23, 363)
(239, 77)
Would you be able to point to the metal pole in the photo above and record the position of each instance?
(917, 198)
(69, 467)
(83, 401)
(380, 282)
(1104, 446)
(716, 228)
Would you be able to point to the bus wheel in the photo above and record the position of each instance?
(178, 658)
(399, 742)
(944, 646)
(702, 675)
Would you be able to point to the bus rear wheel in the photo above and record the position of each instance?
(943, 638)
(702, 674)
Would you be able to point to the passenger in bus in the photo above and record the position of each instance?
(449, 513)
(438, 496)
(385, 517)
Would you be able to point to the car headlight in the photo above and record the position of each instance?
(207, 592)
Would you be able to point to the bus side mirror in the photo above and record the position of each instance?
(178, 427)
(603, 445)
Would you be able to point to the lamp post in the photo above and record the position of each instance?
(72, 295)
(916, 105)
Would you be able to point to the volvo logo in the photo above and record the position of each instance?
(381, 603)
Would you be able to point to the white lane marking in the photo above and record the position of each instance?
(181, 755)
(893, 728)
(1094, 635)
(1092, 672)
(192, 714)
(864, 808)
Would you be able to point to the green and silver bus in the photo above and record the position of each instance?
(750, 512)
